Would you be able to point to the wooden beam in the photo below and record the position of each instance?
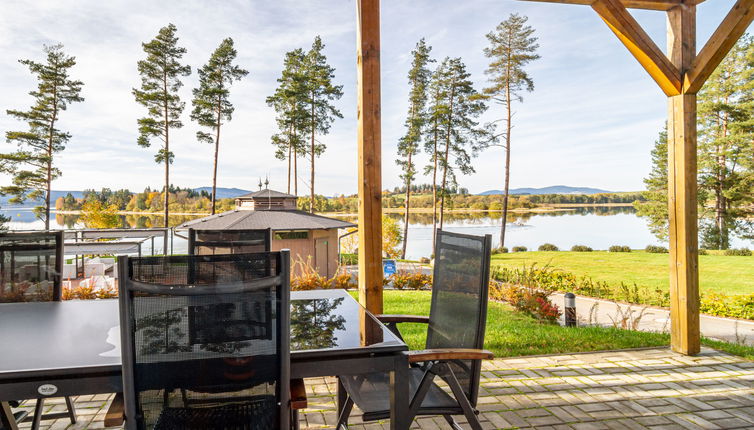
(631, 4)
(640, 45)
(369, 164)
(682, 190)
(717, 47)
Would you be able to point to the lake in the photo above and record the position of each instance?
(598, 228)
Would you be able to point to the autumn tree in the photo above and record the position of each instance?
(289, 101)
(512, 47)
(320, 95)
(211, 100)
(161, 73)
(418, 78)
(32, 166)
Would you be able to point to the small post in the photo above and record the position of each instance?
(570, 310)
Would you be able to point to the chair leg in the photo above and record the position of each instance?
(453, 424)
(294, 420)
(37, 414)
(462, 400)
(344, 414)
(71, 409)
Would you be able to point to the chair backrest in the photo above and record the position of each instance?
(458, 314)
(212, 242)
(223, 337)
(31, 264)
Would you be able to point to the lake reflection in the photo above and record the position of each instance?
(598, 228)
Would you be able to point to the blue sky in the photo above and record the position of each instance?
(591, 120)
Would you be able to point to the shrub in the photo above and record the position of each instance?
(89, 293)
(349, 259)
(548, 247)
(411, 280)
(653, 249)
(343, 280)
(519, 248)
(529, 300)
(702, 252)
(581, 248)
(727, 306)
(500, 250)
(619, 248)
(479, 206)
(425, 260)
(743, 252)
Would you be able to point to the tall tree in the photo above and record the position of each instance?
(408, 145)
(161, 74)
(32, 165)
(434, 132)
(725, 144)
(655, 204)
(512, 48)
(321, 92)
(289, 102)
(211, 104)
(463, 135)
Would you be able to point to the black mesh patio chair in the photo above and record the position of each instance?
(205, 341)
(31, 264)
(455, 338)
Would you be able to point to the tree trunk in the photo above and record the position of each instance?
(507, 146)
(314, 122)
(217, 150)
(166, 200)
(434, 189)
(446, 158)
(290, 151)
(50, 137)
(408, 207)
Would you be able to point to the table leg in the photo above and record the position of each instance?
(399, 402)
(7, 420)
(342, 395)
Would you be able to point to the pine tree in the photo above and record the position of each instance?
(434, 132)
(463, 137)
(418, 78)
(655, 204)
(32, 166)
(289, 102)
(160, 81)
(512, 48)
(320, 94)
(725, 144)
(211, 104)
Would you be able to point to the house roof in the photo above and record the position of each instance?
(264, 194)
(272, 219)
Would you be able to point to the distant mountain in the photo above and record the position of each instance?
(31, 203)
(555, 189)
(224, 193)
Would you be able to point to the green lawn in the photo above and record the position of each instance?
(510, 333)
(717, 273)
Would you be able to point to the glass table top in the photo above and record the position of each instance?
(326, 321)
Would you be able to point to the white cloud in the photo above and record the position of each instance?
(591, 120)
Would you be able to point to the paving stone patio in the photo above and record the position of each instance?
(638, 389)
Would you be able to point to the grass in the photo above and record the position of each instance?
(717, 273)
(512, 334)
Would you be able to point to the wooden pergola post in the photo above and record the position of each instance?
(680, 75)
(370, 165)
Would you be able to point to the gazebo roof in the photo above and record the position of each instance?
(265, 194)
(273, 219)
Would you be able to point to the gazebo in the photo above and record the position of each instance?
(680, 75)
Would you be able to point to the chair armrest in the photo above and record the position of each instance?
(445, 354)
(298, 394)
(403, 318)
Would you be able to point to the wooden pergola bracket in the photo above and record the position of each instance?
(634, 4)
(719, 44)
(641, 46)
